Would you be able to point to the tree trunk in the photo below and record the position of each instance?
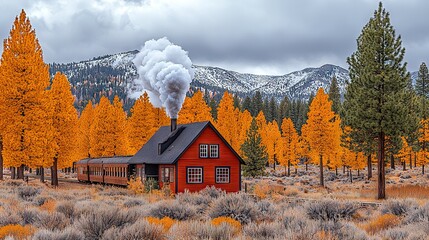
(358, 172)
(369, 167)
(1, 160)
(336, 171)
(42, 174)
(321, 171)
(288, 168)
(411, 161)
(306, 167)
(344, 169)
(404, 166)
(296, 169)
(274, 166)
(392, 162)
(20, 172)
(415, 160)
(351, 175)
(54, 173)
(423, 169)
(12, 173)
(381, 172)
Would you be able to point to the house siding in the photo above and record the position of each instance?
(191, 158)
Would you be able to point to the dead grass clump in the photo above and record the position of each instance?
(67, 208)
(227, 220)
(27, 193)
(16, 231)
(421, 214)
(49, 205)
(381, 223)
(266, 210)
(165, 222)
(133, 202)
(9, 218)
(52, 221)
(408, 191)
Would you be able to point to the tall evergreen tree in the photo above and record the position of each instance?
(376, 100)
(247, 104)
(255, 153)
(334, 95)
(272, 110)
(282, 111)
(257, 104)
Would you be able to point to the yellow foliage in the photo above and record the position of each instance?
(273, 142)
(84, 127)
(261, 190)
(290, 143)
(165, 222)
(227, 220)
(195, 109)
(16, 231)
(49, 205)
(228, 121)
(141, 125)
(136, 186)
(381, 223)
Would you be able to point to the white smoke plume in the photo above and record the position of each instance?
(165, 73)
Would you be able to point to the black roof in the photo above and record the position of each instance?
(174, 144)
(105, 160)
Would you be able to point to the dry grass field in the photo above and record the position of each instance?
(274, 207)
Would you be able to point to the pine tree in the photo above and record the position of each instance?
(257, 104)
(334, 96)
(84, 127)
(247, 104)
(254, 151)
(141, 124)
(272, 109)
(26, 122)
(65, 125)
(376, 102)
(320, 130)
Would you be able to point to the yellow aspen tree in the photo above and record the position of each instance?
(320, 130)
(274, 143)
(141, 124)
(84, 127)
(290, 144)
(65, 125)
(101, 133)
(244, 121)
(406, 153)
(161, 118)
(226, 118)
(23, 99)
(262, 128)
(304, 146)
(334, 161)
(119, 127)
(423, 154)
(195, 109)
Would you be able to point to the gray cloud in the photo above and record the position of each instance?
(272, 37)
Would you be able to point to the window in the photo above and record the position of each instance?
(194, 175)
(214, 151)
(167, 174)
(222, 174)
(204, 151)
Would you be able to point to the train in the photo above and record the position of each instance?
(108, 170)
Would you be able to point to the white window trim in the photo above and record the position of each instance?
(188, 179)
(201, 148)
(218, 174)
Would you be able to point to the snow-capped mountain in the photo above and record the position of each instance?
(114, 74)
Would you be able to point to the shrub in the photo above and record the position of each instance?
(266, 209)
(150, 184)
(421, 214)
(16, 231)
(338, 230)
(52, 221)
(212, 192)
(165, 222)
(294, 221)
(381, 223)
(238, 206)
(396, 234)
(263, 231)
(134, 202)
(261, 190)
(40, 200)
(27, 193)
(136, 186)
(66, 234)
(29, 215)
(94, 223)
(227, 220)
(330, 210)
(49, 205)
(9, 218)
(139, 230)
(67, 208)
(399, 207)
(201, 230)
(199, 201)
(172, 209)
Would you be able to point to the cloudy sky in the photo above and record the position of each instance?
(255, 36)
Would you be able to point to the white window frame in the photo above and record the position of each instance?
(214, 148)
(194, 175)
(223, 174)
(204, 150)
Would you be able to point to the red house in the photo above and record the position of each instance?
(190, 156)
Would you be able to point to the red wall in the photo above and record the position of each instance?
(226, 158)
